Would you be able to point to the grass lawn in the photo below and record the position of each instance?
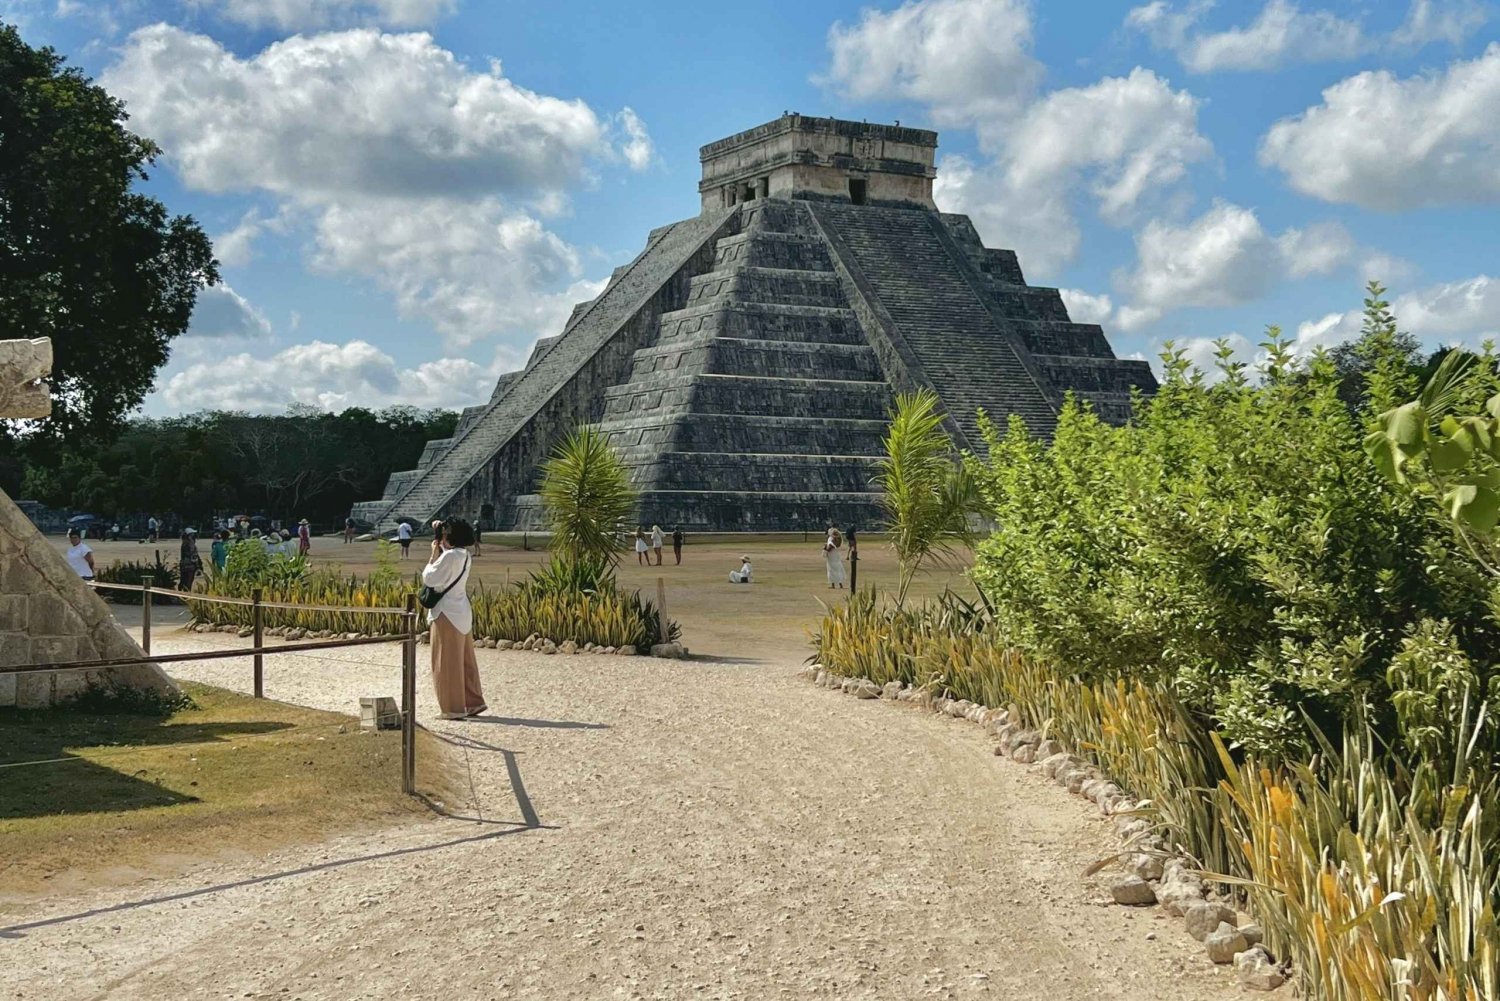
(767, 621)
(139, 794)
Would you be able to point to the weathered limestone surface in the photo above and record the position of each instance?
(743, 365)
(24, 367)
(47, 614)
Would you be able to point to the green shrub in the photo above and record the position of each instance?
(137, 572)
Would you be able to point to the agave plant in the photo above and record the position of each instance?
(928, 496)
(586, 493)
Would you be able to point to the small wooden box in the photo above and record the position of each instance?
(379, 713)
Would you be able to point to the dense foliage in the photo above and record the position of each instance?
(1237, 545)
(303, 464)
(85, 259)
(136, 572)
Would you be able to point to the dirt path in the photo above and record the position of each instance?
(652, 830)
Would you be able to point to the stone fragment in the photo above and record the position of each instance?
(1053, 762)
(568, 647)
(1144, 866)
(548, 647)
(1047, 748)
(627, 650)
(891, 690)
(1257, 971)
(504, 644)
(1177, 893)
(1202, 918)
(1224, 943)
(1133, 892)
(1253, 934)
(609, 650)
(672, 651)
(865, 689)
(1024, 753)
(821, 679)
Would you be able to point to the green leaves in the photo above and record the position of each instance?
(587, 495)
(928, 496)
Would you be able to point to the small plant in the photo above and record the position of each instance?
(586, 493)
(107, 699)
(137, 572)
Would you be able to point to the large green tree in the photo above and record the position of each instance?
(86, 259)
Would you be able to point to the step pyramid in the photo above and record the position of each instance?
(744, 363)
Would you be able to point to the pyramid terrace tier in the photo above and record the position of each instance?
(766, 321)
(706, 353)
(754, 471)
(637, 439)
(761, 511)
(725, 394)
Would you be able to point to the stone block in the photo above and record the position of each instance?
(34, 691)
(55, 649)
(51, 616)
(15, 650)
(7, 690)
(69, 684)
(15, 613)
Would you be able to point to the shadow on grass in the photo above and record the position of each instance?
(49, 776)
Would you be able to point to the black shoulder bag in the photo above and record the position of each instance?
(429, 597)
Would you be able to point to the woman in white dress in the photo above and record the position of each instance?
(834, 558)
(640, 547)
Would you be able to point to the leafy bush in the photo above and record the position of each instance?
(1236, 545)
(137, 572)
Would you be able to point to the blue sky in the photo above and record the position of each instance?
(406, 193)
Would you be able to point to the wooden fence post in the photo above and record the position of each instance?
(854, 571)
(409, 700)
(146, 618)
(661, 609)
(260, 665)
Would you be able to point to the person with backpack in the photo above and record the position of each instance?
(450, 617)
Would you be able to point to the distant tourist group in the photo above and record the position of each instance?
(833, 559)
(658, 538)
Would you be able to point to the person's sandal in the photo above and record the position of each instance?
(476, 712)
(452, 715)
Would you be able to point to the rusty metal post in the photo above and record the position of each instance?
(260, 664)
(146, 618)
(409, 699)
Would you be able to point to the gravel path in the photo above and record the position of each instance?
(697, 830)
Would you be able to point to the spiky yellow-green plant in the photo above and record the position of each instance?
(587, 494)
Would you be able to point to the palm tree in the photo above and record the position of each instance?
(586, 493)
(928, 494)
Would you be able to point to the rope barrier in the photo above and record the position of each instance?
(173, 658)
(220, 599)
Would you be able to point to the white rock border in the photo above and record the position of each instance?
(1152, 875)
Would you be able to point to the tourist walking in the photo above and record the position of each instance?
(677, 544)
(153, 529)
(80, 557)
(403, 536)
(657, 538)
(641, 558)
(742, 575)
(450, 617)
(348, 531)
(304, 537)
(833, 557)
(189, 563)
(218, 553)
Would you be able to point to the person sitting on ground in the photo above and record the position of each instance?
(80, 557)
(640, 548)
(742, 575)
(657, 538)
(455, 671)
(188, 561)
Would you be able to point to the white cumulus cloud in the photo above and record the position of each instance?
(221, 312)
(1381, 142)
(1284, 32)
(408, 167)
(328, 376)
(968, 60)
(1121, 139)
(1460, 312)
(1086, 307)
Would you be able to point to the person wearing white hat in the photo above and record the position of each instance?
(189, 563)
(742, 575)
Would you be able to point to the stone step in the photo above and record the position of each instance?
(821, 324)
(742, 356)
(750, 433)
(730, 394)
(736, 471)
(783, 286)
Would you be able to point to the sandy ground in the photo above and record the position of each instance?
(651, 829)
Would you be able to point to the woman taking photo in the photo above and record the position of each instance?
(455, 672)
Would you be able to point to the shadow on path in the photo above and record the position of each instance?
(14, 931)
(541, 724)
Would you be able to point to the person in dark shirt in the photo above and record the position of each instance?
(677, 544)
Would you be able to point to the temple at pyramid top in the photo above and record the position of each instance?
(800, 157)
(744, 363)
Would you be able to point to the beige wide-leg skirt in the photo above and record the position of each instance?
(455, 672)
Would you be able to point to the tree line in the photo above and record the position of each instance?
(305, 463)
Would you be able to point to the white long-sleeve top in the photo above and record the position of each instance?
(447, 569)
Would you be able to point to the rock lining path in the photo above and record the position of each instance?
(708, 830)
